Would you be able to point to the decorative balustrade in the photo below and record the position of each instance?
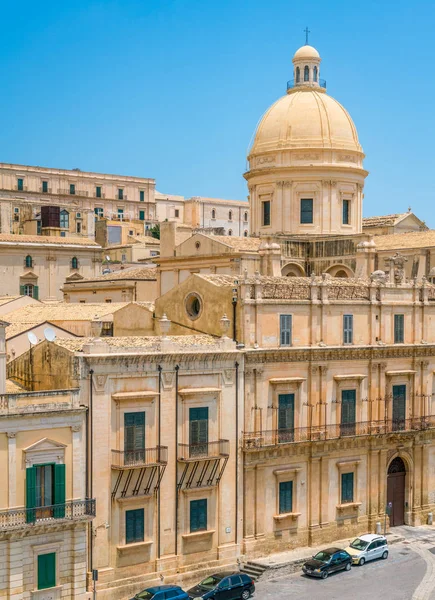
(139, 458)
(275, 437)
(203, 451)
(74, 510)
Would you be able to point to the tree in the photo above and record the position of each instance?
(155, 231)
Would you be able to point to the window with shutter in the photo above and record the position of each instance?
(142, 215)
(286, 417)
(348, 412)
(285, 330)
(347, 329)
(134, 437)
(198, 431)
(36, 292)
(399, 329)
(30, 494)
(266, 213)
(198, 515)
(134, 526)
(346, 488)
(59, 491)
(346, 212)
(46, 571)
(285, 497)
(399, 407)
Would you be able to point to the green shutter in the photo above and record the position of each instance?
(198, 425)
(46, 571)
(22, 292)
(346, 488)
(348, 412)
(286, 411)
(198, 515)
(134, 526)
(142, 215)
(399, 406)
(30, 494)
(36, 292)
(285, 497)
(59, 491)
(399, 329)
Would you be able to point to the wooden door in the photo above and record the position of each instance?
(396, 491)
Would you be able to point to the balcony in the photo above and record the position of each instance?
(205, 451)
(293, 84)
(274, 437)
(67, 192)
(139, 459)
(74, 510)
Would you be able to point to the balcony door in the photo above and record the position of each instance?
(134, 438)
(198, 431)
(348, 412)
(399, 407)
(286, 418)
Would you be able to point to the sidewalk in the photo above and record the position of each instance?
(299, 555)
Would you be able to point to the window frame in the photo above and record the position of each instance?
(399, 328)
(137, 515)
(195, 526)
(120, 194)
(285, 333)
(285, 506)
(141, 195)
(345, 212)
(72, 189)
(348, 330)
(64, 219)
(266, 222)
(44, 187)
(39, 560)
(304, 211)
(344, 496)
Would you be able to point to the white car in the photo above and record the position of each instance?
(368, 547)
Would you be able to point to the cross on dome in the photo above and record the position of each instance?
(307, 31)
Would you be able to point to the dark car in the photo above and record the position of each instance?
(327, 561)
(223, 586)
(162, 592)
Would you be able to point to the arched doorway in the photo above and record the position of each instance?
(396, 491)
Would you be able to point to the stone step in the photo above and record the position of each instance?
(253, 569)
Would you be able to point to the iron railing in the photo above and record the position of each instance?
(293, 84)
(68, 511)
(275, 437)
(203, 451)
(139, 458)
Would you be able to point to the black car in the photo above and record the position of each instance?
(223, 586)
(327, 561)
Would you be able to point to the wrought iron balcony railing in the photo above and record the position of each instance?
(204, 451)
(139, 458)
(74, 510)
(275, 437)
(293, 84)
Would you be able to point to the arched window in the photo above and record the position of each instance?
(306, 73)
(213, 214)
(298, 74)
(230, 232)
(230, 215)
(74, 262)
(245, 233)
(315, 74)
(64, 219)
(246, 217)
(29, 261)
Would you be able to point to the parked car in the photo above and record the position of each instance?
(223, 586)
(368, 547)
(327, 561)
(162, 592)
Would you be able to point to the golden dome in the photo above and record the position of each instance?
(306, 52)
(306, 118)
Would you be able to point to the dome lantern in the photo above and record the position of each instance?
(306, 70)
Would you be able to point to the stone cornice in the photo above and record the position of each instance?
(295, 168)
(342, 353)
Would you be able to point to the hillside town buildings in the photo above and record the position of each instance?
(273, 390)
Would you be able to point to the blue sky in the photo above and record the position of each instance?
(174, 89)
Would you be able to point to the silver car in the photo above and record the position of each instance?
(368, 547)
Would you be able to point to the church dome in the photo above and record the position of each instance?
(306, 118)
(307, 52)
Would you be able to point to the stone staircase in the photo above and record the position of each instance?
(253, 569)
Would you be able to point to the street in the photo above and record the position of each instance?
(407, 574)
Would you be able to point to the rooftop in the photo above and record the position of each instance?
(383, 220)
(6, 299)
(240, 244)
(413, 239)
(143, 239)
(138, 273)
(148, 343)
(42, 240)
(74, 172)
(63, 311)
(243, 203)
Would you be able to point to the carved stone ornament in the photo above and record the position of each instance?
(307, 156)
(227, 376)
(347, 158)
(167, 380)
(397, 263)
(264, 160)
(76, 428)
(100, 382)
(11, 434)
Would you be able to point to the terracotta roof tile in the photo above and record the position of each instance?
(63, 311)
(413, 239)
(239, 244)
(147, 343)
(141, 273)
(382, 220)
(7, 238)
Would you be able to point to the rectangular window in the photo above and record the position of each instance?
(38, 227)
(142, 215)
(198, 515)
(120, 213)
(78, 227)
(348, 412)
(45, 487)
(347, 329)
(177, 213)
(266, 213)
(286, 418)
(72, 189)
(346, 212)
(99, 211)
(142, 196)
(198, 431)
(134, 526)
(285, 497)
(98, 191)
(346, 488)
(46, 571)
(64, 219)
(120, 194)
(134, 437)
(45, 186)
(306, 210)
(399, 407)
(20, 184)
(285, 330)
(399, 329)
